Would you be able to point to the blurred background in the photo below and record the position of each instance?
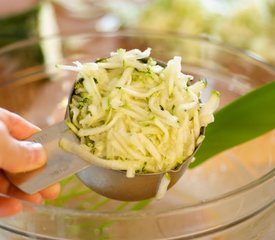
(245, 24)
(32, 86)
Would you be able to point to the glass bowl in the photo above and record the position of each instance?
(229, 197)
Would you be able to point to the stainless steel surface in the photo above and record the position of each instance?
(60, 164)
(115, 184)
(107, 182)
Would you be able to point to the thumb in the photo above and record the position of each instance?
(20, 156)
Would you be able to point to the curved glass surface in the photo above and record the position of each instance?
(229, 197)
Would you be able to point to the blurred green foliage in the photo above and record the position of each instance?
(17, 27)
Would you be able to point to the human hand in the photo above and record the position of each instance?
(17, 155)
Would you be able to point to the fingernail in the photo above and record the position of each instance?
(38, 154)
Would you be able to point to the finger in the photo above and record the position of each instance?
(4, 184)
(51, 192)
(17, 126)
(16, 193)
(19, 156)
(9, 206)
(8, 189)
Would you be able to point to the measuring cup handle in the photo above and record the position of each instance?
(59, 165)
(49, 134)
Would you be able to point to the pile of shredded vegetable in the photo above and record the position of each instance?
(132, 114)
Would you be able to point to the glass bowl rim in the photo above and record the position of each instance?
(134, 32)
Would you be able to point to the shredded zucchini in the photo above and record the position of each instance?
(128, 108)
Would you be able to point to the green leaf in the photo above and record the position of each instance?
(246, 118)
(141, 205)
